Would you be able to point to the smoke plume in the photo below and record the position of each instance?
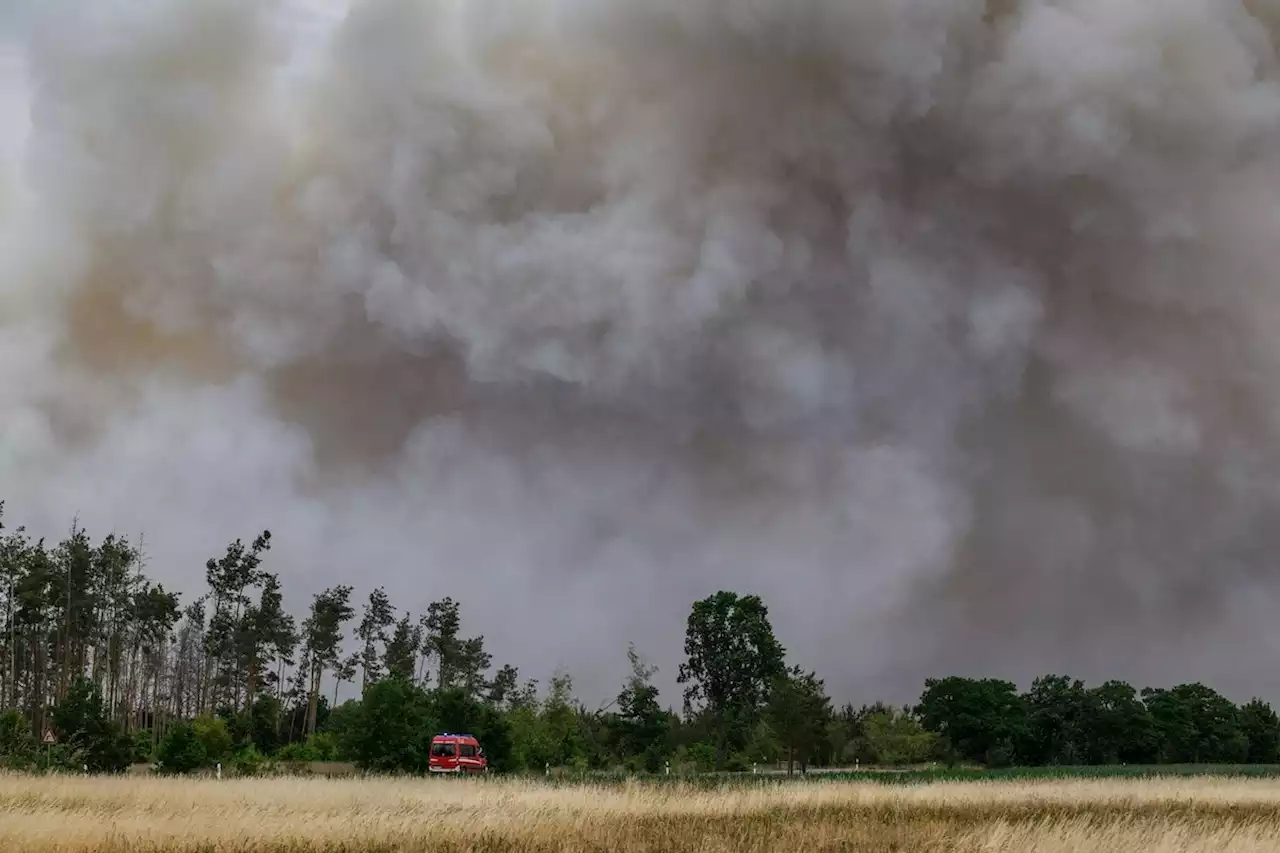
(944, 325)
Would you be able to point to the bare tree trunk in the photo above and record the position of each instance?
(39, 696)
(720, 740)
(313, 702)
(251, 687)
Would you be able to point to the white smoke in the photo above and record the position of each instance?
(945, 325)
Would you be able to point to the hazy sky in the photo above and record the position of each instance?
(945, 325)
(13, 104)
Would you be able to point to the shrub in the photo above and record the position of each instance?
(18, 745)
(248, 762)
(214, 736)
(143, 748)
(181, 750)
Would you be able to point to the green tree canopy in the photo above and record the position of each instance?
(731, 658)
(980, 719)
(798, 714)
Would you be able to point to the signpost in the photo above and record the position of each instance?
(49, 740)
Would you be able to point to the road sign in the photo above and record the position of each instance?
(48, 737)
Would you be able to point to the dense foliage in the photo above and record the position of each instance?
(116, 671)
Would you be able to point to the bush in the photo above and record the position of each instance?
(1001, 754)
(762, 748)
(214, 736)
(18, 745)
(61, 757)
(891, 737)
(181, 750)
(700, 757)
(80, 719)
(143, 748)
(296, 752)
(324, 746)
(248, 762)
(318, 747)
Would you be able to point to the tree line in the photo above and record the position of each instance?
(120, 671)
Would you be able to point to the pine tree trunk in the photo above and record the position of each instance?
(40, 693)
(720, 740)
(236, 681)
(313, 702)
(251, 684)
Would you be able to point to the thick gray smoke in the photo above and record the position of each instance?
(945, 325)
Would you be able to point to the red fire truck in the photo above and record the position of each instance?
(456, 753)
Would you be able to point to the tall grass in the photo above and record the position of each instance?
(154, 815)
(917, 775)
(1113, 771)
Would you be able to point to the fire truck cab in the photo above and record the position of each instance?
(456, 753)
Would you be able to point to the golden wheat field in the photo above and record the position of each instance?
(87, 815)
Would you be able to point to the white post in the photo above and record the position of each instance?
(547, 768)
(668, 769)
(219, 769)
(754, 769)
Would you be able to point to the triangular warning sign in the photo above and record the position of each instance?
(48, 737)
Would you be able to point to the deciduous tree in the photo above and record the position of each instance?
(731, 657)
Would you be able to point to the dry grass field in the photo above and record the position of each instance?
(85, 815)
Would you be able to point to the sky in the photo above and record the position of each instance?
(943, 325)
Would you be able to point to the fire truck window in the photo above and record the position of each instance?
(466, 750)
(442, 749)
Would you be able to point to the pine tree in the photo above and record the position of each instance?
(322, 641)
(402, 649)
(378, 616)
